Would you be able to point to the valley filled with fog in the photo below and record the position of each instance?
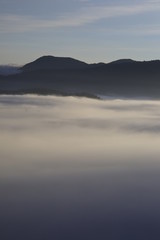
(78, 168)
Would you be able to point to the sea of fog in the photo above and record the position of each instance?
(79, 169)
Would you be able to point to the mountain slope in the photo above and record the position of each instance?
(50, 62)
(126, 78)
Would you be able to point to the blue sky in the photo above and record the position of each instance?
(89, 30)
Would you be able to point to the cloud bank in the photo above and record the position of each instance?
(77, 168)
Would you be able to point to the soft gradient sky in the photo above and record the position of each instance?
(89, 30)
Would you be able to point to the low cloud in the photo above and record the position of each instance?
(49, 113)
(76, 165)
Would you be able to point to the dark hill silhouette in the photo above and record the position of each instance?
(122, 61)
(50, 62)
(67, 76)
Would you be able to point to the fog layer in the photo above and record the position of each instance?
(76, 168)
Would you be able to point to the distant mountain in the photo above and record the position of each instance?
(120, 61)
(68, 76)
(54, 63)
(9, 69)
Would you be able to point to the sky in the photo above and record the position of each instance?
(88, 30)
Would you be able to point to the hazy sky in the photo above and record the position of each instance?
(89, 30)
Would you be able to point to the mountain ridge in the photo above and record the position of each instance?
(52, 62)
(124, 77)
